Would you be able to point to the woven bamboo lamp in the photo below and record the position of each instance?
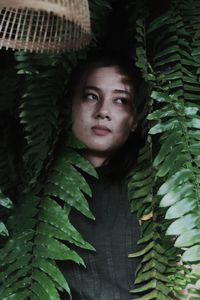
(44, 25)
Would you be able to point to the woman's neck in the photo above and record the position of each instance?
(96, 158)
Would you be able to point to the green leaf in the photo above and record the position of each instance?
(154, 264)
(194, 148)
(17, 282)
(69, 181)
(188, 238)
(167, 51)
(194, 123)
(160, 97)
(143, 251)
(141, 174)
(176, 194)
(173, 139)
(158, 22)
(149, 237)
(5, 201)
(48, 247)
(76, 159)
(56, 224)
(53, 272)
(155, 255)
(70, 197)
(167, 111)
(142, 192)
(150, 275)
(17, 246)
(196, 270)
(180, 208)
(162, 127)
(154, 295)
(192, 254)
(179, 178)
(165, 167)
(3, 230)
(17, 296)
(47, 284)
(140, 183)
(183, 224)
(40, 292)
(21, 261)
(153, 284)
(171, 59)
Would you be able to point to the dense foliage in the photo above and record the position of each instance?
(39, 167)
(167, 179)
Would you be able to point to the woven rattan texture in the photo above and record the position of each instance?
(44, 25)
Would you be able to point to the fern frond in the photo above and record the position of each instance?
(39, 112)
(175, 122)
(168, 44)
(64, 175)
(152, 274)
(42, 232)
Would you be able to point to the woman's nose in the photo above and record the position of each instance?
(103, 111)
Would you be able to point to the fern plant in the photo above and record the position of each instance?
(164, 48)
(41, 229)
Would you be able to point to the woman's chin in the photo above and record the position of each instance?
(99, 147)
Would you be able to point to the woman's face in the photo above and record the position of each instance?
(103, 111)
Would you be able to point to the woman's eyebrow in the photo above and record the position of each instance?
(119, 91)
(91, 87)
(122, 91)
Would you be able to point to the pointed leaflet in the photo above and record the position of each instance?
(47, 284)
(17, 296)
(3, 230)
(73, 198)
(51, 248)
(163, 127)
(192, 254)
(5, 201)
(178, 178)
(188, 238)
(181, 208)
(60, 227)
(183, 224)
(174, 155)
(176, 193)
(39, 292)
(151, 285)
(63, 178)
(55, 274)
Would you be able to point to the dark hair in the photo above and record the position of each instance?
(124, 159)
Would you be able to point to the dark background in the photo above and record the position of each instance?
(116, 37)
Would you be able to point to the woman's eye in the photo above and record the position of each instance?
(90, 96)
(122, 101)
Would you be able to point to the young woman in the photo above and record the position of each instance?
(104, 119)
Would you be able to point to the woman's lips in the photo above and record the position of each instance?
(101, 130)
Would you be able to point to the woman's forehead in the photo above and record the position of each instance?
(110, 75)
